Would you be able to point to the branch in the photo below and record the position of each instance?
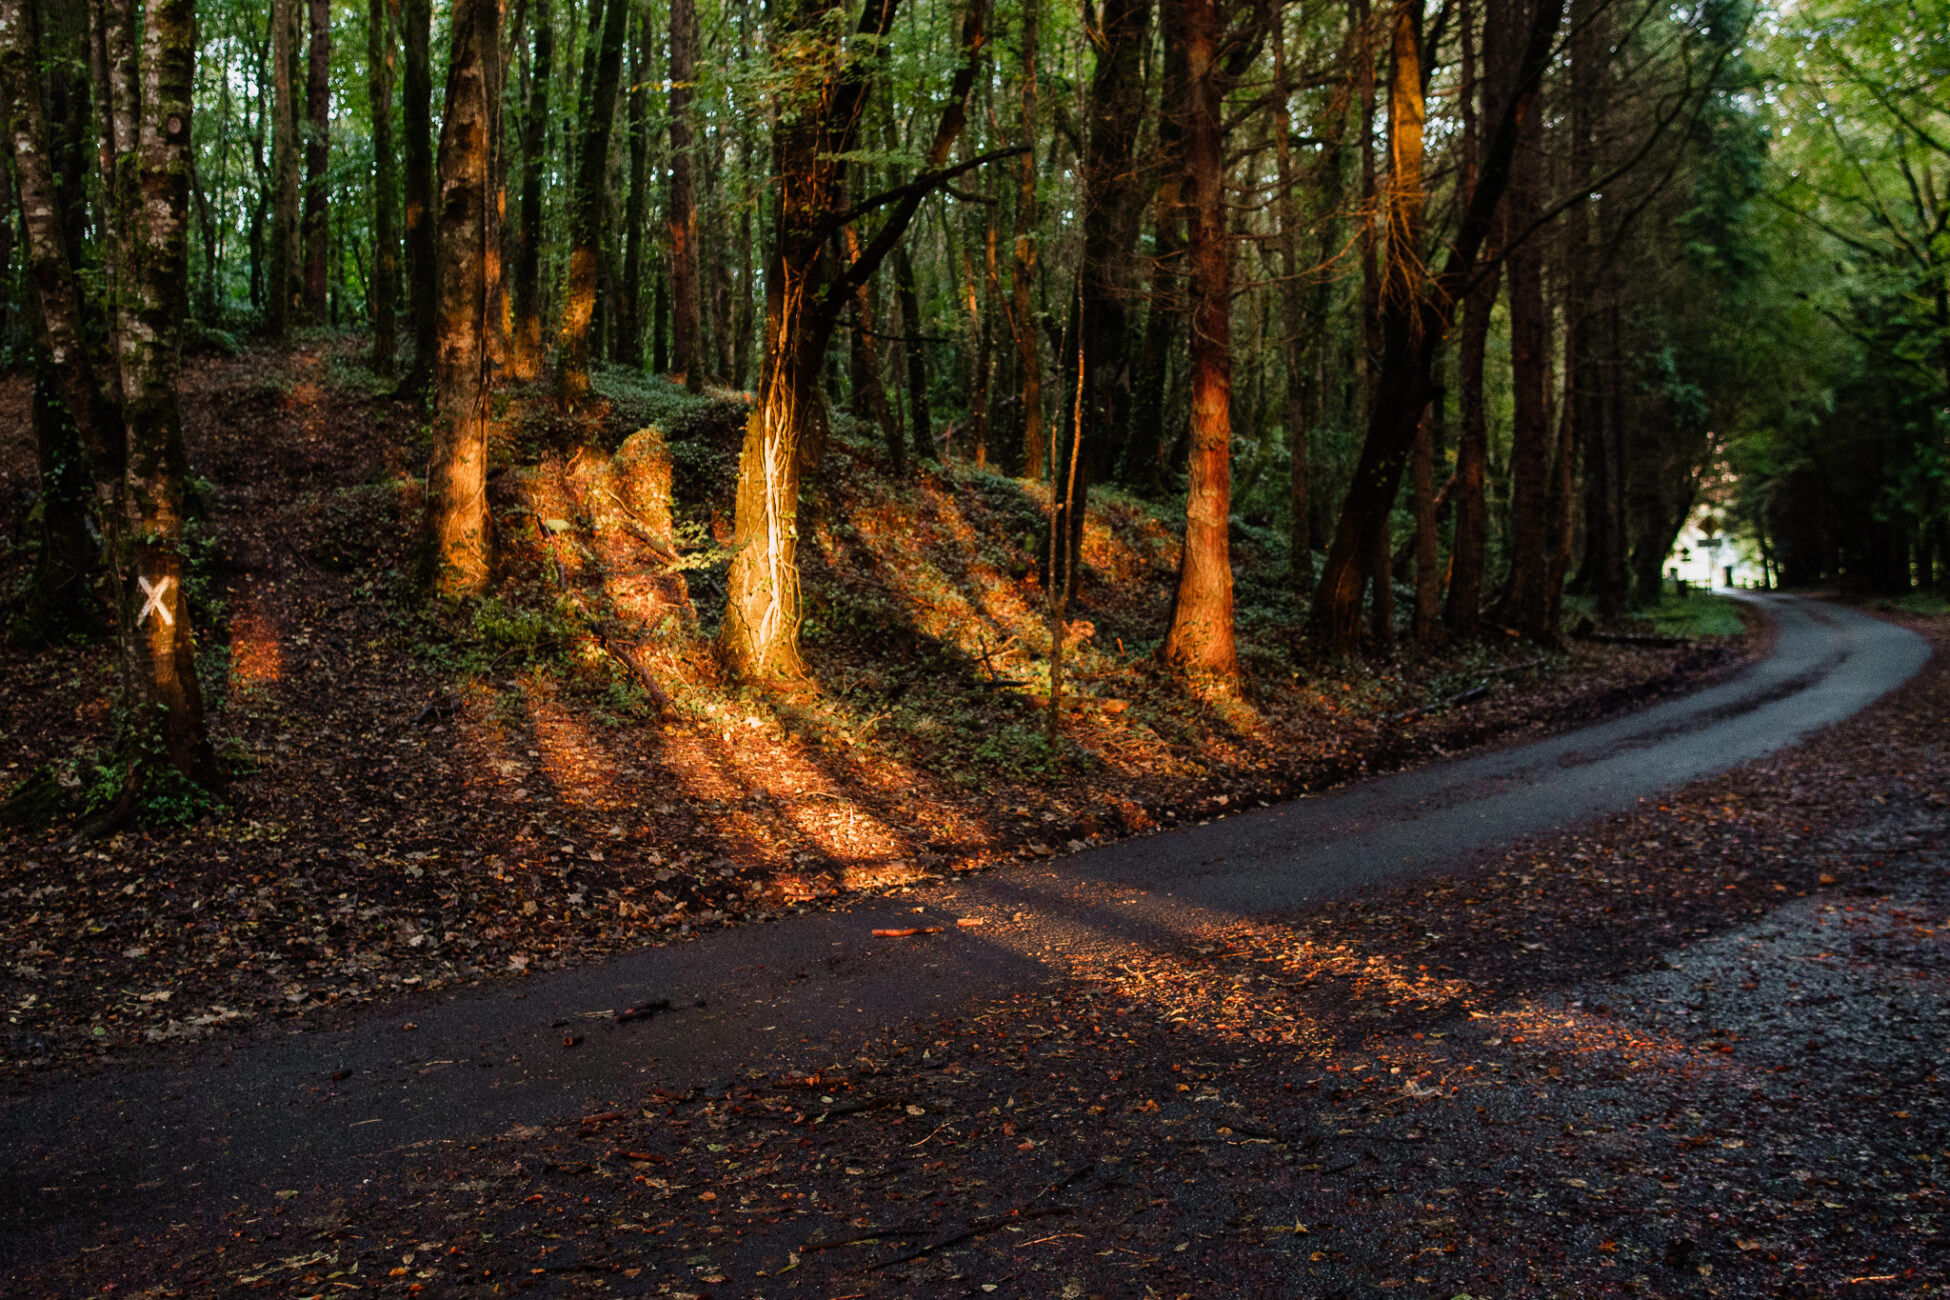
(919, 188)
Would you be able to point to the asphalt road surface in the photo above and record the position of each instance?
(309, 1107)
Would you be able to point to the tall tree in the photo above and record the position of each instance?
(459, 544)
(128, 420)
(817, 126)
(1113, 205)
(1022, 281)
(586, 204)
(1414, 319)
(385, 186)
(1463, 612)
(318, 153)
(686, 330)
(285, 261)
(920, 420)
(1200, 637)
(416, 122)
(525, 350)
(629, 349)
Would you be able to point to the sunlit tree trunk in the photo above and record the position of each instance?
(416, 121)
(1200, 637)
(385, 181)
(525, 347)
(817, 126)
(318, 113)
(285, 268)
(459, 544)
(586, 206)
(686, 346)
(1412, 331)
(1022, 318)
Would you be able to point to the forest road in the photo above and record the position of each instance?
(308, 1109)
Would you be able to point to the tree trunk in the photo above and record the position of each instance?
(586, 207)
(459, 542)
(152, 203)
(869, 394)
(1022, 318)
(52, 146)
(920, 424)
(1525, 604)
(285, 266)
(978, 329)
(1145, 460)
(1199, 639)
(385, 180)
(1293, 314)
(686, 346)
(1113, 205)
(629, 349)
(1469, 544)
(1412, 329)
(759, 637)
(1428, 553)
(318, 111)
(416, 118)
(525, 352)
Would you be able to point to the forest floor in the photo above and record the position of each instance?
(423, 798)
(1694, 1049)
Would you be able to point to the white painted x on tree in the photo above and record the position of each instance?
(153, 593)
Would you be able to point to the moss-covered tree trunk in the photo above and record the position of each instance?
(459, 542)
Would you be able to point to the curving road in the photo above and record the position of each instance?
(156, 1145)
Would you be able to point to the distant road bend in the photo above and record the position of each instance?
(142, 1147)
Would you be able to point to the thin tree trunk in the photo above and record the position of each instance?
(1471, 537)
(318, 112)
(586, 207)
(385, 181)
(525, 356)
(1525, 604)
(1200, 637)
(459, 543)
(978, 328)
(920, 425)
(1145, 460)
(1292, 311)
(416, 118)
(285, 266)
(1022, 320)
(629, 351)
(1428, 556)
(869, 394)
(686, 346)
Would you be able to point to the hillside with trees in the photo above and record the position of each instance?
(942, 411)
